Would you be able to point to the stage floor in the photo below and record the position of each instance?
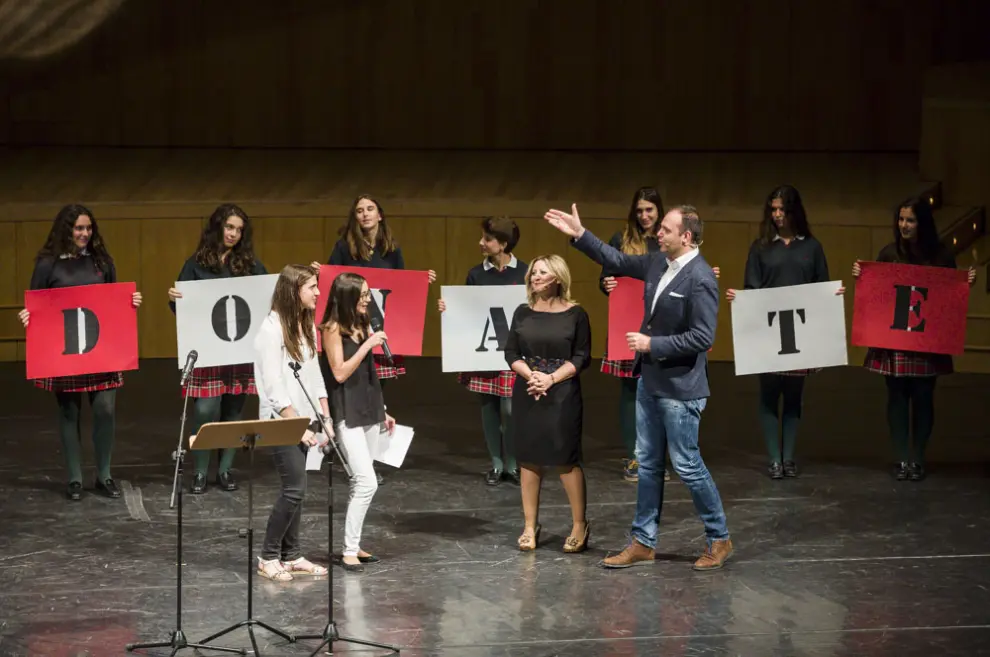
(841, 561)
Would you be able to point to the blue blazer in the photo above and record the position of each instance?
(681, 326)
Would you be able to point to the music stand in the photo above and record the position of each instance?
(249, 434)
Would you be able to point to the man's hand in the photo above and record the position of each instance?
(638, 342)
(568, 224)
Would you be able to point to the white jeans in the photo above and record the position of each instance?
(359, 443)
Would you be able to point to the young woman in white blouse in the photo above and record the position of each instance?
(286, 337)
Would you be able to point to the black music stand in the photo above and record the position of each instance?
(248, 434)
(177, 641)
(330, 635)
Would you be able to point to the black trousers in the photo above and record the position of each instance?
(282, 533)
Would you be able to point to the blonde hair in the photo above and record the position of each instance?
(558, 267)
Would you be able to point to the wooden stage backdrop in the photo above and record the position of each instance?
(434, 202)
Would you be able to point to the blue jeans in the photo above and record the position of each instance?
(669, 424)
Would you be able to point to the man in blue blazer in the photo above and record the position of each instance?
(680, 304)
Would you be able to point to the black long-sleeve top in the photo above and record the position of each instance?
(943, 257)
(52, 272)
(652, 246)
(341, 256)
(193, 271)
(779, 265)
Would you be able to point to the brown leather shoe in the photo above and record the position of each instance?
(715, 556)
(635, 554)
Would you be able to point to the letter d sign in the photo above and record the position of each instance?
(82, 331)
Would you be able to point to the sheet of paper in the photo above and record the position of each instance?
(392, 448)
(314, 458)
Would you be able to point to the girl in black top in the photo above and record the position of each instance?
(499, 235)
(356, 402)
(225, 249)
(74, 254)
(638, 237)
(786, 253)
(911, 375)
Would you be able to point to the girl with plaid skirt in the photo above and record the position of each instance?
(911, 375)
(786, 253)
(499, 235)
(367, 241)
(74, 254)
(225, 250)
(638, 237)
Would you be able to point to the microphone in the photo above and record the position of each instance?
(294, 366)
(376, 326)
(187, 370)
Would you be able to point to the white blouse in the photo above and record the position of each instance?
(275, 380)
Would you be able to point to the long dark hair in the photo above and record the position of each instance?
(351, 231)
(209, 253)
(793, 211)
(60, 241)
(297, 321)
(341, 310)
(633, 236)
(928, 244)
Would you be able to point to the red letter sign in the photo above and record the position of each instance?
(403, 295)
(87, 329)
(625, 315)
(910, 308)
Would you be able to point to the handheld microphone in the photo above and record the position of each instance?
(376, 326)
(187, 370)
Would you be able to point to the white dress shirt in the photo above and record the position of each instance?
(275, 380)
(674, 267)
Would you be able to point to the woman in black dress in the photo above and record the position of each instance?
(74, 254)
(911, 375)
(786, 253)
(225, 249)
(549, 344)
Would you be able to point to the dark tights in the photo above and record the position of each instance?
(910, 405)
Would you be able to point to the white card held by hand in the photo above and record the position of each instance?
(314, 458)
(392, 448)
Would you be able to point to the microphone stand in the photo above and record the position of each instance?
(177, 641)
(330, 634)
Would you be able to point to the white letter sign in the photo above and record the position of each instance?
(789, 328)
(475, 325)
(220, 317)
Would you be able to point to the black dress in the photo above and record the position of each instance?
(548, 431)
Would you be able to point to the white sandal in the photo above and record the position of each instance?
(273, 570)
(303, 566)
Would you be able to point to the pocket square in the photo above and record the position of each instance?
(676, 295)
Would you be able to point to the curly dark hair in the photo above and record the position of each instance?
(60, 240)
(209, 253)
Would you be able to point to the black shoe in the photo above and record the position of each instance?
(352, 567)
(225, 481)
(494, 477)
(776, 470)
(901, 471)
(74, 491)
(369, 559)
(512, 476)
(916, 472)
(790, 469)
(108, 487)
(199, 484)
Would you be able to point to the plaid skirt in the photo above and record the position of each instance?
(907, 363)
(620, 368)
(223, 380)
(386, 371)
(488, 383)
(82, 382)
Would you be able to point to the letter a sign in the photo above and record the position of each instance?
(910, 308)
(88, 329)
(475, 326)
